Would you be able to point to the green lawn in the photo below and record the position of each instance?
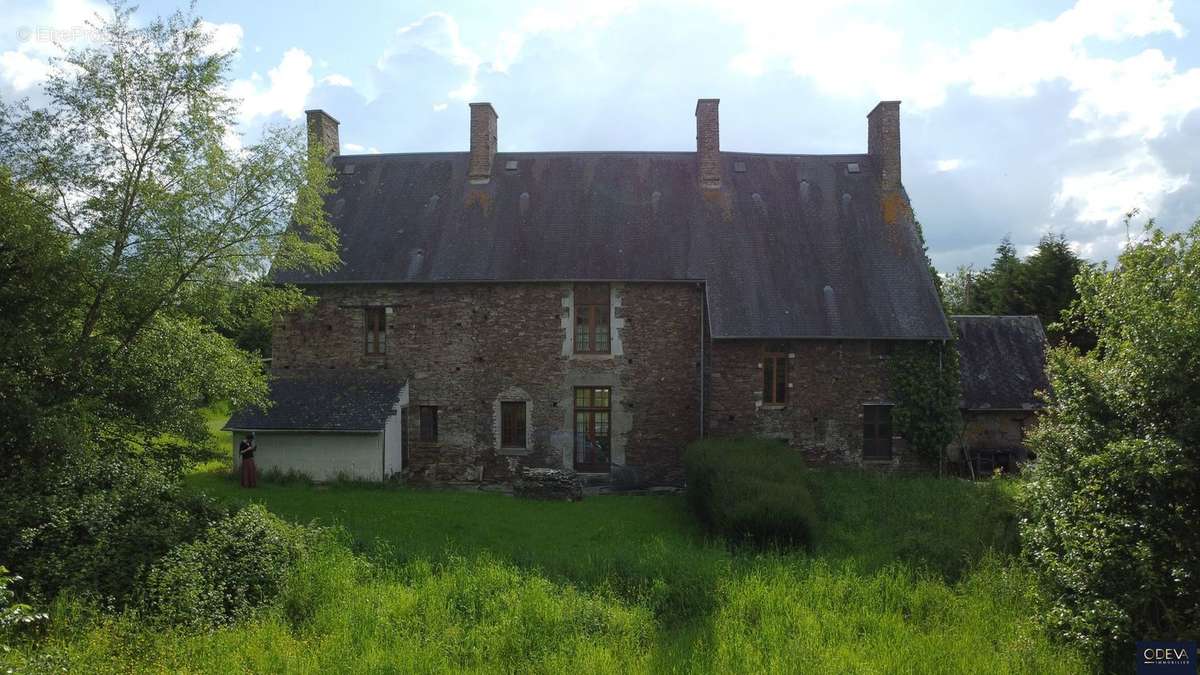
(905, 575)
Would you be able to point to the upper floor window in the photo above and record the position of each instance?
(877, 432)
(592, 335)
(375, 330)
(775, 376)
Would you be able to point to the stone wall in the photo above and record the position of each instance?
(995, 429)
(829, 382)
(465, 347)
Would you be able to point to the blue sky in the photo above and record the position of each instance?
(1019, 118)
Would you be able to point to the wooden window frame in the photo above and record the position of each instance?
(775, 382)
(590, 410)
(514, 413)
(427, 424)
(375, 331)
(877, 446)
(591, 311)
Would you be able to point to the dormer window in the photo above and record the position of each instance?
(592, 333)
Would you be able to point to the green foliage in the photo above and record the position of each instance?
(14, 616)
(750, 491)
(234, 567)
(1115, 494)
(92, 524)
(924, 380)
(938, 526)
(451, 597)
(131, 234)
(1042, 285)
(810, 617)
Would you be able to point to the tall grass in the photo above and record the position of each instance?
(341, 613)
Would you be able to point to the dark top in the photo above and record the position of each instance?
(247, 448)
(793, 246)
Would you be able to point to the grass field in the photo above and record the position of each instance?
(905, 575)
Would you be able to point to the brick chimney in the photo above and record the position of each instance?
(883, 143)
(483, 142)
(323, 132)
(708, 143)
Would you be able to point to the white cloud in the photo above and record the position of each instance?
(1106, 196)
(439, 107)
(944, 165)
(288, 86)
(41, 33)
(337, 80)
(356, 149)
(225, 37)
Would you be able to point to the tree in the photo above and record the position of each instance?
(1043, 285)
(1115, 494)
(128, 220)
(131, 162)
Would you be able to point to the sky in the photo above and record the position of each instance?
(1018, 119)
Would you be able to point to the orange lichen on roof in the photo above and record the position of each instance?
(894, 207)
(479, 198)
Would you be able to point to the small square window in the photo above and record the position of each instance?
(852, 167)
(510, 165)
(739, 167)
(429, 424)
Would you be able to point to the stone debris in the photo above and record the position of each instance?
(552, 484)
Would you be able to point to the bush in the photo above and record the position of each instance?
(239, 564)
(752, 491)
(14, 616)
(92, 524)
(1114, 498)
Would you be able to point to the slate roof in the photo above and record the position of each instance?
(324, 401)
(793, 246)
(1002, 361)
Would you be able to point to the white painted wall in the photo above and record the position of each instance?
(321, 456)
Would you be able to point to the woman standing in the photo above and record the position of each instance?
(249, 472)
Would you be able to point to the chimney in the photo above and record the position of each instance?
(323, 133)
(483, 142)
(708, 143)
(883, 143)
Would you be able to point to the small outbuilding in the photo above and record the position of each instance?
(1002, 362)
(328, 425)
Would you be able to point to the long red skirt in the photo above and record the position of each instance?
(249, 474)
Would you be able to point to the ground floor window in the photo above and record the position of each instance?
(429, 424)
(512, 424)
(593, 428)
(877, 432)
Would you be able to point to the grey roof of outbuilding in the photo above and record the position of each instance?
(794, 246)
(1002, 361)
(324, 401)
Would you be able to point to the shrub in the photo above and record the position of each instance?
(237, 565)
(93, 524)
(14, 616)
(1114, 497)
(752, 491)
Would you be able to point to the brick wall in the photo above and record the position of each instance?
(463, 347)
(830, 382)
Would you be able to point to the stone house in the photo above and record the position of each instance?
(1002, 366)
(599, 310)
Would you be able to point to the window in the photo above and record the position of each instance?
(593, 435)
(775, 371)
(591, 319)
(877, 432)
(375, 330)
(429, 424)
(512, 424)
